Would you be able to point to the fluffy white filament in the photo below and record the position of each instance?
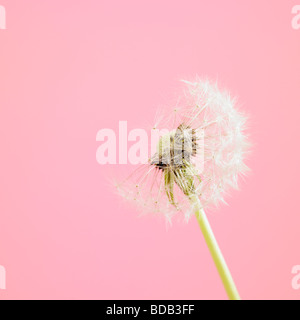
(202, 107)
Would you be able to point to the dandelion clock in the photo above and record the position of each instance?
(196, 161)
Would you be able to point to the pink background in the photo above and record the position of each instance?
(70, 68)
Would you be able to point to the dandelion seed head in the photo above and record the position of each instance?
(165, 184)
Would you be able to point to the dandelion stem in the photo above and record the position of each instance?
(215, 251)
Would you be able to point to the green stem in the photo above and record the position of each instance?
(215, 251)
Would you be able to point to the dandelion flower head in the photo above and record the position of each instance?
(202, 154)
